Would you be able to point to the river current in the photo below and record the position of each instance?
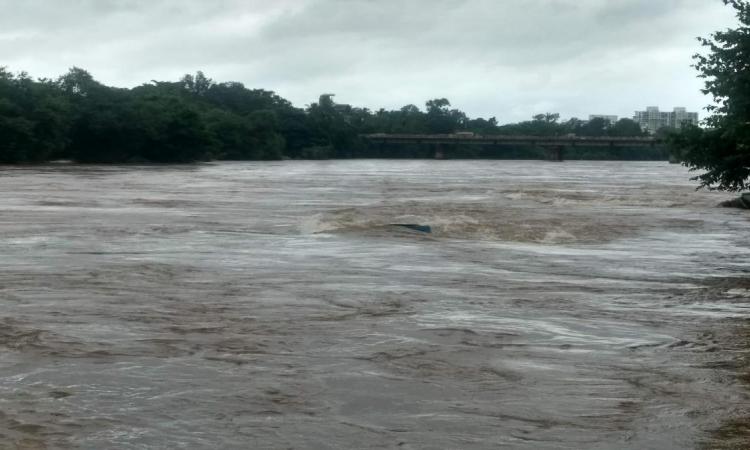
(576, 305)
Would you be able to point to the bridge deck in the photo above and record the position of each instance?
(541, 141)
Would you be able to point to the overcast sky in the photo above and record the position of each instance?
(503, 58)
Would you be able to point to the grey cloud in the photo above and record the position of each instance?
(508, 58)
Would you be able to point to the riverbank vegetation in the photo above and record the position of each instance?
(722, 149)
(77, 118)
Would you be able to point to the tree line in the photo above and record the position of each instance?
(75, 117)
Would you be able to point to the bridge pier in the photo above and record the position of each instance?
(555, 153)
(439, 153)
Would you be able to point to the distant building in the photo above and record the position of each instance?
(680, 116)
(652, 119)
(611, 119)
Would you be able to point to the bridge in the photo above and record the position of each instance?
(554, 145)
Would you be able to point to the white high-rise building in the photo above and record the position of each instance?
(652, 119)
(681, 116)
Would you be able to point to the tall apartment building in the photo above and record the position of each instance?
(681, 116)
(652, 119)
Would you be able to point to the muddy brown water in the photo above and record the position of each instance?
(583, 305)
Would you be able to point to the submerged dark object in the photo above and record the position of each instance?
(414, 226)
(743, 201)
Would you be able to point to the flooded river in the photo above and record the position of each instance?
(582, 305)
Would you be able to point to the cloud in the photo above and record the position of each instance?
(504, 58)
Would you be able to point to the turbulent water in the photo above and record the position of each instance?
(582, 305)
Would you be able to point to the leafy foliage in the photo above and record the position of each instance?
(34, 121)
(723, 148)
(194, 119)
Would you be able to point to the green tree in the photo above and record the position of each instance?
(547, 117)
(103, 127)
(542, 125)
(250, 137)
(198, 84)
(334, 126)
(595, 127)
(34, 119)
(439, 120)
(626, 128)
(722, 150)
(168, 130)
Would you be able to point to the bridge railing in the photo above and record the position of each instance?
(465, 138)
